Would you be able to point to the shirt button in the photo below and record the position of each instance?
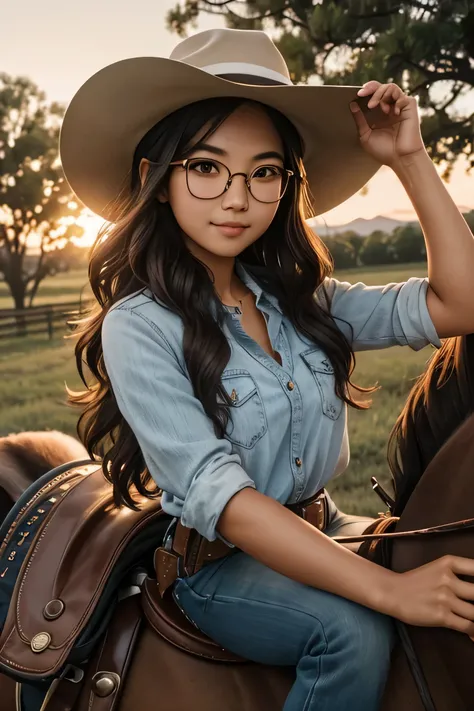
(298, 462)
(290, 385)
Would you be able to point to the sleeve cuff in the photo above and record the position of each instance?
(426, 321)
(209, 494)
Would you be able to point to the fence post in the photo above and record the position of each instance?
(49, 317)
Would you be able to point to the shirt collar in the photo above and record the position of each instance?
(249, 280)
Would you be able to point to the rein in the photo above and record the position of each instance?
(443, 528)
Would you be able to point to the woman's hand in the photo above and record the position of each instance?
(393, 134)
(433, 595)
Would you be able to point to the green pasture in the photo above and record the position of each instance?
(34, 370)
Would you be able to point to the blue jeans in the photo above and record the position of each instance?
(341, 650)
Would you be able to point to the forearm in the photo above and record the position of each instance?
(449, 241)
(279, 539)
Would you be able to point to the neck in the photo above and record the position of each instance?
(227, 285)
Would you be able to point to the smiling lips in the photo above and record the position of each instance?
(231, 229)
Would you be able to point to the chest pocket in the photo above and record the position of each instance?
(248, 422)
(323, 373)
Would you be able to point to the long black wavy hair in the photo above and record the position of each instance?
(145, 248)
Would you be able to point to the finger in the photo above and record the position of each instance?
(462, 589)
(359, 118)
(401, 103)
(391, 100)
(462, 566)
(374, 100)
(388, 95)
(454, 622)
(464, 610)
(369, 88)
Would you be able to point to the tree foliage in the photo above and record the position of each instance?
(34, 196)
(424, 46)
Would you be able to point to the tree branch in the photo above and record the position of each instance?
(221, 3)
(453, 97)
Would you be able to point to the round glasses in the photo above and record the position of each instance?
(208, 179)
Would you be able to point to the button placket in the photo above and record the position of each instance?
(296, 420)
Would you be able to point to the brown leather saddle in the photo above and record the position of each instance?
(74, 623)
(86, 626)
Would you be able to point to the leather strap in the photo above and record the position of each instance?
(432, 530)
(115, 655)
(190, 551)
(106, 672)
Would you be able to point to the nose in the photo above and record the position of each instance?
(236, 197)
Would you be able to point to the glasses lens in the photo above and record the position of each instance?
(206, 178)
(268, 183)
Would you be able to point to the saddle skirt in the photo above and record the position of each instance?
(65, 554)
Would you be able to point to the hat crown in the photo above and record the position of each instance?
(227, 51)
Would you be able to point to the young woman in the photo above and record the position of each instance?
(223, 348)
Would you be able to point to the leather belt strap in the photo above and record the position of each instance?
(190, 551)
(105, 675)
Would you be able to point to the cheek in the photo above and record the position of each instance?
(268, 212)
(187, 210)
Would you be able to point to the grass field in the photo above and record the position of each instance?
(33, 372)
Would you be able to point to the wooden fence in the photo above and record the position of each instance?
(46, 319)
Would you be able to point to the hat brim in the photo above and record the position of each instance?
(118, 105)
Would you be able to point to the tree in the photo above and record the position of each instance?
(355, 240)
(34, 195)
(376, 249)
(408, 244)
(427, 48)
(342, 252)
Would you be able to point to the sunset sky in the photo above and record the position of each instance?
(59, 45)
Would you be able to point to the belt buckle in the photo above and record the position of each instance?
(169, 534)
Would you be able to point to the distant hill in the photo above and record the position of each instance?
(361, 226)
(364, 227)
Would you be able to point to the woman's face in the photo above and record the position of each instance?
(247, 133)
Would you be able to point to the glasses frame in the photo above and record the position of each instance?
(185, 164)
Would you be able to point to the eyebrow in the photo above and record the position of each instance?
(220, 152)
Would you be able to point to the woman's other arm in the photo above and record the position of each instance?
(431, 595)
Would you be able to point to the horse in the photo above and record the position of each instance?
(437, 407)
(26, 456)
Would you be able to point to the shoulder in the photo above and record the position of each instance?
(142, 312)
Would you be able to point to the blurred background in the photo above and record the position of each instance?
(49, 49)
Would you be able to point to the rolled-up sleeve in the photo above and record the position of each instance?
(375, 317)
(197, 471)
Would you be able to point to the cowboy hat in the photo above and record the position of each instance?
(118, 105)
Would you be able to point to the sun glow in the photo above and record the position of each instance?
(91, 224)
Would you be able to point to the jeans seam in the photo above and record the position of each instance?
(310, 696)
(225, 598)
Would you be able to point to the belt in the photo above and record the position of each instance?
(185, 551)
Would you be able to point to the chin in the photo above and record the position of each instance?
(228, 248)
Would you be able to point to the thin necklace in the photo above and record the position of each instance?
(236, 309)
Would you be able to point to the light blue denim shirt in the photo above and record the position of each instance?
(287, 435)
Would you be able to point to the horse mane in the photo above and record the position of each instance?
(438, 403)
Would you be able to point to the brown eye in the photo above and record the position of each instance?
(203, 167)
(267, 171)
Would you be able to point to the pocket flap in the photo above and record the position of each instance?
(318, 361)
(240, 386)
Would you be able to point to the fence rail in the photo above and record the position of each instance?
(46, 319)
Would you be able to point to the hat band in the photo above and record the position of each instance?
(243, 69)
